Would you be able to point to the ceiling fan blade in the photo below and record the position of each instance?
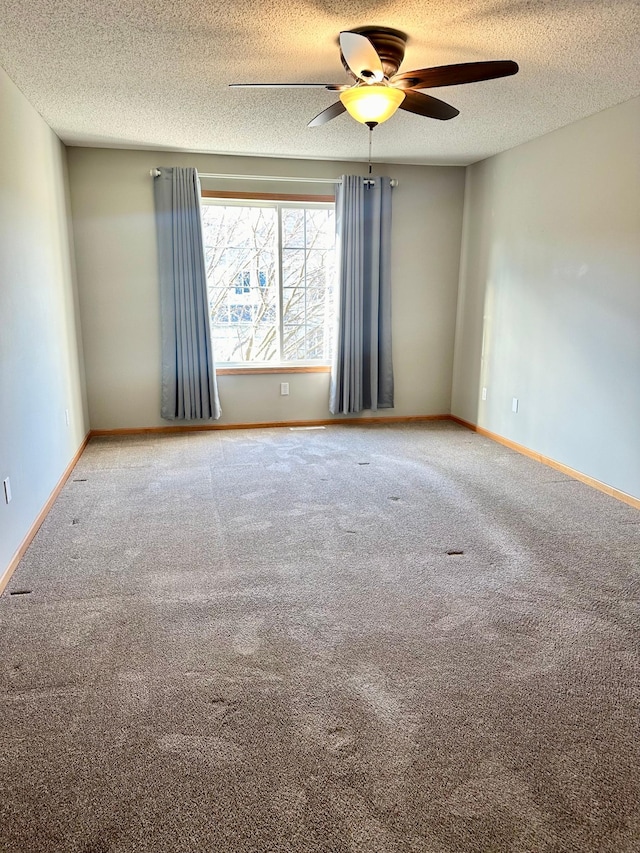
(361, 57)
(326, 115)
(425, 105)
(454, 75)
(333, 87)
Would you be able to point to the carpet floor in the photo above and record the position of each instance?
(389, 639)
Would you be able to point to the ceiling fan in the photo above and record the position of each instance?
(372, 57)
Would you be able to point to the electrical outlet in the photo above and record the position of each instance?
(66, 416)
(484, 393)
(284, 389)
(514, 405)
(7, 490)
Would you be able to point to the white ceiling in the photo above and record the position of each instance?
(155, 73)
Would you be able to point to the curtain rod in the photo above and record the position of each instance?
(156, 172)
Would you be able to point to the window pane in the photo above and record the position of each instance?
(321, 231)
(293, 305)
(293, 219)
(240, 255)
(293, 268)
(307, 305)
(294, 342)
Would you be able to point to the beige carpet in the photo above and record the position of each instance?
(350, 640)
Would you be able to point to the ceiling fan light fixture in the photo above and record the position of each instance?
(373, 103)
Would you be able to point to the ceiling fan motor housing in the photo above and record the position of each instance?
(389, 45)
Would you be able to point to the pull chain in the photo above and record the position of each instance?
(370, 125)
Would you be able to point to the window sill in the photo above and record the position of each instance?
(294, 368)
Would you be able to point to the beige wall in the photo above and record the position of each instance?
(112, 203)
(549, 299)
(40, 353)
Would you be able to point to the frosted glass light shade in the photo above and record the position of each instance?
(375, 103)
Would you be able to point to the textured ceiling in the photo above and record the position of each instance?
(155, 73)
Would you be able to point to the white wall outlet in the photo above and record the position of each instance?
(7, 490)
(514, 405)
(284, 389)
(66, 416)
(484, 393)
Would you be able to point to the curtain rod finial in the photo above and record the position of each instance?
(155, 173)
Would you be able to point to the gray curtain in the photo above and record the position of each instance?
(362, 372)
(189, 387)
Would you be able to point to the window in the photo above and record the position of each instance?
(270, 273)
